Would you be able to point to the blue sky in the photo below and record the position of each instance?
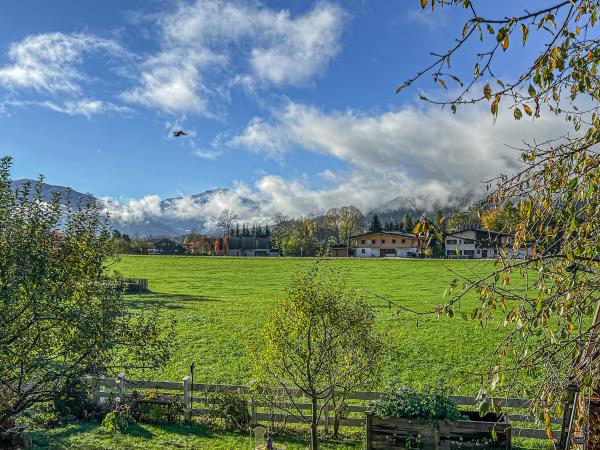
(289, 103)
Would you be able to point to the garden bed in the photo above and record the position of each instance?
(491, 431)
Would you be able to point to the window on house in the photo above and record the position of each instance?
(383, 241)
(469, 241)
(469, 252)
(450, 241)
(372, 241)
(404, 241)
(393, 241)
(363, 241)
(363, 250)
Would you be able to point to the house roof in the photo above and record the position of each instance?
(163, 241)
(477, 230)
(389, 233)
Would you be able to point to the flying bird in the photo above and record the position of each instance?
(179, 133)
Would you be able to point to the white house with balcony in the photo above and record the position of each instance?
(473, 242)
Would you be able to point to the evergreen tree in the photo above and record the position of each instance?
(267, 231)
(375, 225)
(237, 230)
(407, 223)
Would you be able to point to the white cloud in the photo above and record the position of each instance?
(50, 62)
(459, 150)
(426, 156)
(209, 45)
(85, 107)
(207, 154)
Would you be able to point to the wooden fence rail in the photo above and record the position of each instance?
(268, 410)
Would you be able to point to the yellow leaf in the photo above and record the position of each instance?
(443, 83)
(424, 3)
(505, 42)
(487, 91)
(525, 32)
(518, 114)
(494, 107)
(527, 109)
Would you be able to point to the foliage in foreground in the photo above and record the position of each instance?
(556, 190)
(409, 403)
(62, 313)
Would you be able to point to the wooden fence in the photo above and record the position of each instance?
(273, 411)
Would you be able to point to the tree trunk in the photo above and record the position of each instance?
(314, 443)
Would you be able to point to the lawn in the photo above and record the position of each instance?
(220, 305)
(159, 437)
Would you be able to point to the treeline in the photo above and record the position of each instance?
(315, 234)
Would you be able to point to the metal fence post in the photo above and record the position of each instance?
(187, 399)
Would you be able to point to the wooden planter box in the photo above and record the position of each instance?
(395, 433)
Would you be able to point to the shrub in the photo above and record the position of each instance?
(167, 409)
(119, 418)
(73, 402)
(233, 408)
(408, 403)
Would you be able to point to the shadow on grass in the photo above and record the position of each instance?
(168, 301)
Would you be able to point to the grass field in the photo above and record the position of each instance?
(220, 304)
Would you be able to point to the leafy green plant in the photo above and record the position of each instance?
(156, 408)
(408, 403)
(73, 402)
(233, 408)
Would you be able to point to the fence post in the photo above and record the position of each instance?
(187, 399)
(101, 389)
(121, 380)
(253, 410)
(326, 412)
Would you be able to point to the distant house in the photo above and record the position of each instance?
(165, 246)
(243, 246)
(340, 251)
(473, 242)
(384, 244)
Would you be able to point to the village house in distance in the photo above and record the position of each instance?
(474, 242)
(382, 244)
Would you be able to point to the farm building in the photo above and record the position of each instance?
(473, 242)
(165, 247)
(386, 244)
(243, 246)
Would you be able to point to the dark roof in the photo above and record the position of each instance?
(164, 241)
(249, 243)
(392, 233)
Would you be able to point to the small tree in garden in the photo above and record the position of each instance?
(62, 312)
(321, 342)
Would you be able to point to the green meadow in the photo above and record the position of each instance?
(220, 304)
